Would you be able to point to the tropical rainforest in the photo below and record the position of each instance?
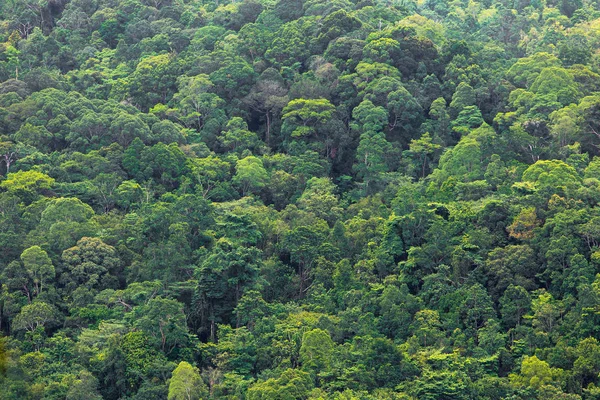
(299, 199)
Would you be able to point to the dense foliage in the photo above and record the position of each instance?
(299, 199)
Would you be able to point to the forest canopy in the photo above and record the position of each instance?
(299, 199)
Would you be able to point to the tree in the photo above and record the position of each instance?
(586, 366)
(552, 175)
(304, 244)
(38, 266)
(162, 320)
(27, 184)
(334, 25)
(63, 222)
(557, 82)
(234, 78)
(406, 114)
(197, 102)
(524, 224)
(301, 117)
(422, 148)
(525, 71)
(153, 81)
(8, 154)
(535, 373)
(467, 119)
(545, 311)
(476, 309)
(165, 164)
(238, 348)
(35, 315)
(3, 357)
(292, 384)
(464, 96)
(37, 136)
(515, 303)
(319, 197)
(223, 277)
(316, 351)
(371, 155)
(186, 383)
(84, 387)
(268, 96)
(367, 117)
(427, 327)
(237, 137)
(91, 265)
(125, 128)
(510, 265)
(250, 175)
(208, 172)
(435, 385)
(290, 45)
(382, 50)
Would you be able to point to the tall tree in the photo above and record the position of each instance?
(186, 384)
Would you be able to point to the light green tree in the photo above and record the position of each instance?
(38, 266)
(35, 315)
(301, 117)
(27, 184)
(535, 373)
(237, 137)
(187, 384)
(422, 149)
(316, 350)
(250, 175)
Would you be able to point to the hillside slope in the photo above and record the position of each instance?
(299, 199)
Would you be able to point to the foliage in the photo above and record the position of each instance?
(299, 199)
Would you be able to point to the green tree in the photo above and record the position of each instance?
(552, 175)
(525, 71)
(515, 303)
(371, 160)
(586, 366)
(557, 82)
(269, 97)
(535, 373)
(162, 320)
(125, 128)
(83, 387)
(38, 266)
(427, 328)
(37, 136)
(435, 385)
(422, 149)
(319, 198)
(440, 119)
(208, 172)
(304, 244)
(92, 265)
(292, 384)
(27, 184)
(250, 175)
(186, 383)
(301, 117)
(234, 78)
(197, 102)
(237, 137)
(464, 96)
(316, 350)
(36, 315)
(153, 80)
(223, 277)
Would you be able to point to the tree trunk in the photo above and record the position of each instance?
(268, 132)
